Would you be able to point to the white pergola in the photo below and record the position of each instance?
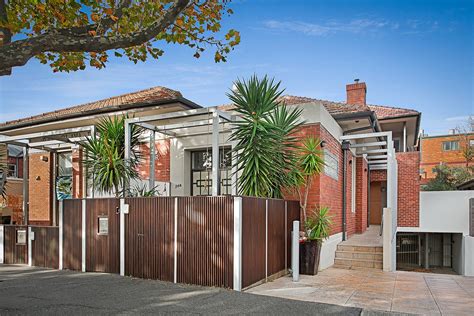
(55, 141)
(380, 153)
(183, 124)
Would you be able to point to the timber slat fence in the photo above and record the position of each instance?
(225, 241)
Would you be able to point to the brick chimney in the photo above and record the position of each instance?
(356, 93)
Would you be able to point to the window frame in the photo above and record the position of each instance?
(445, 146)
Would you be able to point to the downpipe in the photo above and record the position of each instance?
(345, 147)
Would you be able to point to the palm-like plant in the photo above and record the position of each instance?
(318, 225)
(264, 137)
(310, 163)
(105, 155)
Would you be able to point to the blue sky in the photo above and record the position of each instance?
(414, 54)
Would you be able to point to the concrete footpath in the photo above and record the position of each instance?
(25, 290)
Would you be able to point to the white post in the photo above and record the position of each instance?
(295, 251)
(387, 239)
(122, 237)
(237, 243)
(61, 232)
(127, 153)
(1, 244)
(152, 161)
(266, 240)
(30, 238)
(235, 187)
(286, 235)
(215, 154)
(175, 243)
(83, 265)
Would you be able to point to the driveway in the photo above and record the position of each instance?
(404, 292)
(36, 291)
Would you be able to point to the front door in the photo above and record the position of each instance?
(378, 200)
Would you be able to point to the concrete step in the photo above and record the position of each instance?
(357, 263)
(370, 249)
(359, 255)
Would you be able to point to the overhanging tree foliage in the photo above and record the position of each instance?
(448, 178)
(69, 34)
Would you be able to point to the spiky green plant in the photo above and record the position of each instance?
(318, 224)
(104, 155)
(264, 137)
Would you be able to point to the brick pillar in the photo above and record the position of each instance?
(40, 188)
(77, 174)
(408, 189)
(361, 195)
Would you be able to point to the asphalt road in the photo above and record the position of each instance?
(25, 290)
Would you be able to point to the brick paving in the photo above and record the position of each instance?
(404, 292)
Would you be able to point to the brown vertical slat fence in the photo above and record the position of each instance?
(253, 240)
(205, 241)
(293, 214)
(45, 247)
(72, 234)
(149, 238)
(102, 250)
(276, 236)
(15, 253)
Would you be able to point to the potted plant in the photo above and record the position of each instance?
(317, 229)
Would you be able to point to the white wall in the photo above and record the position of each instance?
(328, 251)
(443, 212)
(468, 254)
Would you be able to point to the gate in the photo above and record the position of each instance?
(408, 250)
(103, 235)
(149, 235)
(45, 247)
(15, 244)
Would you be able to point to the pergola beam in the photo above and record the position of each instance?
(368, 135)
(373, 144)
(377, 157)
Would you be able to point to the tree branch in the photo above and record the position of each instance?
(5, 34)
(19, 52)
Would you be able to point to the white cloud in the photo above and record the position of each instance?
(354, 26)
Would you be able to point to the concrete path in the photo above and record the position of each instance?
(403, 292)
(36, 291)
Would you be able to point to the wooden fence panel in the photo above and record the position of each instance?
(45, 247)
(293, 214)
(103, 250)
(149, 238)
(253, 240)
(14, 252)
(205, 241)
(276, 236)
(72, 234)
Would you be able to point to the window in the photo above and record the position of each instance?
(396, 144)
(64, 176)
(471, 143)
(451, 145)
(201, 172)
(331, 168)
(12, 171)
(353, 187)
(103, 225)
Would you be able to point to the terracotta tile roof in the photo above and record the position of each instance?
(335, 108)
(384, 112)
(151, 95)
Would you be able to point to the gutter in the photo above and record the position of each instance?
(188, 103)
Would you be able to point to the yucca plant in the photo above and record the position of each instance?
(318, 224)
(264, 137)
(104, 155)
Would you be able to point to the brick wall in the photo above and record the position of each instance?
(408, 189)
(40, 188)
(361, 198)
(378, 175)
(162, 161)
(432, 153)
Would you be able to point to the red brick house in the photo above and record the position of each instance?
(361, 142)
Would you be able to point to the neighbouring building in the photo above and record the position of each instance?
(371, 153)
(443, 149)
(12, 205)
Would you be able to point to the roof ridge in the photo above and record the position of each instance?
(73, 107)
(391, 107)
